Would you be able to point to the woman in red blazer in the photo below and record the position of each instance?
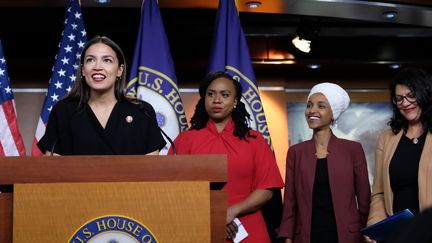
(327, 192)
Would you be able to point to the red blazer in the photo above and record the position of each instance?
(349, 185)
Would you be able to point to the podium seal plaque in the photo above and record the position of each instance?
(113, 229)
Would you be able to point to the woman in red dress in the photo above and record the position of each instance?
(219, 126)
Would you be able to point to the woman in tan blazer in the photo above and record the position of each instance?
(403, 159)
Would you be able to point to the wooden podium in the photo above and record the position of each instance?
(178, 198)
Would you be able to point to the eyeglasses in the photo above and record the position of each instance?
(398, 99)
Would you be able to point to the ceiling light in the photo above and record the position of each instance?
(274, 62)
(314, 66)
(390, 14)
(306, 32)
(302, 44)
(394, 66)
(253, 4)
(102, 1)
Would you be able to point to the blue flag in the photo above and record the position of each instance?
(152, 77)
(230, 53)
(66, 64)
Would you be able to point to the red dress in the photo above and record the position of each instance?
(251, 166)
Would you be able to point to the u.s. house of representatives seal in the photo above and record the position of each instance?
(113, 229)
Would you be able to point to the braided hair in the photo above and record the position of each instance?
(239, 115)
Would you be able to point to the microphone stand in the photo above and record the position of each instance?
(163, 133)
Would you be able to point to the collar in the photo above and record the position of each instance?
(229, 128)
(332, 145)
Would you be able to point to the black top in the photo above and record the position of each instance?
(403, 171)
(78, 132)
(323, 228)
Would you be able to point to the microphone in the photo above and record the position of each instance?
(54, 145)
(162, 131)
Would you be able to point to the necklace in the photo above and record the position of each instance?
(412, 137)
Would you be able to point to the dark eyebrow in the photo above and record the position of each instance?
(319, 102)
(90, 55)
(108, 56)
(223, 90)
(409, 93)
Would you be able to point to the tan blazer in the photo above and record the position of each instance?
(382, 195)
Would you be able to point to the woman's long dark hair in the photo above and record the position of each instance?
(420, 84)
(239, 115)
(81, 91)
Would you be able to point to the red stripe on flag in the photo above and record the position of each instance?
(9, 111)
(35, 150)
(2, 153)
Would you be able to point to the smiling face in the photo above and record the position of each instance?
(220, 99)
(101, 68)
(318, 112)
(407, 103)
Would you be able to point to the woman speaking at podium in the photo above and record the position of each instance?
(96, 118)
(219, 126)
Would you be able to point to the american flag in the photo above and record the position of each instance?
(66, 64)
(11, 143)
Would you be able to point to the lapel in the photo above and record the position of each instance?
(333, 158)
(390, 144)
(425, 168)
(309, 166)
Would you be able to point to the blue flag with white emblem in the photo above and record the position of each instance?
(66, 64)
(230, 53)
(152, 77)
